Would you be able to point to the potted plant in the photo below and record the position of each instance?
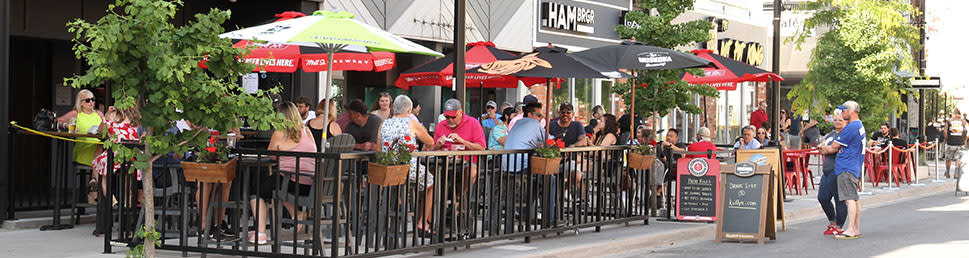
(547, 158)
(392, 165)
(212, 164)
(641, 156)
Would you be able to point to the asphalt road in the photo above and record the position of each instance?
(932, 226)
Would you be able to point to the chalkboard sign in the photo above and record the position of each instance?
(697, 188)
(775, 207)
(744, 196)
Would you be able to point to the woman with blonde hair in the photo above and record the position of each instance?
(85, 117)
(316, 124)
(381, 108)
(295, 138)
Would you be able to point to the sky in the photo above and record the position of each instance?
(946, 52)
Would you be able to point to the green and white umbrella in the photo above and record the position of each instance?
(332, 31)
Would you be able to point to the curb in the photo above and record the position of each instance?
(706, 232)
(36, 223)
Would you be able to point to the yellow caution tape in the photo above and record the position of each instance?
(14, 123)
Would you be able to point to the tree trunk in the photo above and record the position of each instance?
(149, 204)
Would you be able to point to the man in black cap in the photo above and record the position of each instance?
(363, 126)
(527, 99)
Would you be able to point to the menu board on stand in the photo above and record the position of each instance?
(696, 189)
(745, 197)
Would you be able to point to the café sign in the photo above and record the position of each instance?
(751, 53)
(566, 17)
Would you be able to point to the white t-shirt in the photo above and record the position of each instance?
(309, 115)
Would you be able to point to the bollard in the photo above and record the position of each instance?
(937, 153)
(915, 165)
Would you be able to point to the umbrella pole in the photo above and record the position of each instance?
(548, 106)
(481, 99)
(632, 108)
(330, 50)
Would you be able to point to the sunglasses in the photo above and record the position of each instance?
(761, 133)
(538, 114)
(565, 112)
(450, 117)
(88, 100)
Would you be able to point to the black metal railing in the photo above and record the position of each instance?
(464, 197)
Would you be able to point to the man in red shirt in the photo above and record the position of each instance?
(703, 144)
(759, 116)
(460, 132)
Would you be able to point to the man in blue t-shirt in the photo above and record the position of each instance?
(850, 146)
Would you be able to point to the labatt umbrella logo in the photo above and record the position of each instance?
(506, 67)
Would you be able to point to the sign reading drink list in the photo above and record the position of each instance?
(745, 195)
(696, 189)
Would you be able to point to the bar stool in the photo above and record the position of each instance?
(81, 172)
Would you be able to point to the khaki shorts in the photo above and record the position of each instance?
(847, 186)
(952, 152)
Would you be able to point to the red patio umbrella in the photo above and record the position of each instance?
(728, 72)
(439, 72)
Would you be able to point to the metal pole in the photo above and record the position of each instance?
(775, 89)
(459, 48)
(891, 168)
(937, 163)
(4, 116)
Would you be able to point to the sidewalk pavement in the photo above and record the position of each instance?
(613, 239)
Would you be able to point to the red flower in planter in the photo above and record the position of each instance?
(550, 142)
(560, 143)
(387, 144)
(210, 149)
(214, 132)
(407, 137)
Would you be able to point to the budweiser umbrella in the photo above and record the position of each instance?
(439, 72)
(550, 62)
(332, 31)
(727, 72)
(286, 58)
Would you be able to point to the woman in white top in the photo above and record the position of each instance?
(401, 127)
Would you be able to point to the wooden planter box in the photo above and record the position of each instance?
(544, 166)
(387, 175)
(640, 161)
(209, 172)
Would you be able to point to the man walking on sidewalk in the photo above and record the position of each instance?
(850, 146)
(955, 138)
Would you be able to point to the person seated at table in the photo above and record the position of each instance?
(84, 116)
(496, 141)
(762, 138)
(316, 124)
(460, 132)
(402, 128)
(121, 125)
(295, 137)
(747, 141)
(881, 137)
(897, 141)
(363, 126)
(702, 144)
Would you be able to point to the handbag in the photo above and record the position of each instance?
(44, 120)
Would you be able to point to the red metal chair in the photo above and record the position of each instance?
(792, 173)
(900, 166)
(877, 168)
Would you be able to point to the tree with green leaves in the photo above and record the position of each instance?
(151, 64)
(665, 89)
(856, 58)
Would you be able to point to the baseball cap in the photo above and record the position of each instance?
(850, 105)
(491, 103)
(357, 105)
(529, 99)
(451, 107)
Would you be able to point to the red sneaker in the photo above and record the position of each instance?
(832, 230)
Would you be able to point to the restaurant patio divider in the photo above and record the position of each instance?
(476, 196)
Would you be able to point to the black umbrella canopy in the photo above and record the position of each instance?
(551, 62)
(637, 55)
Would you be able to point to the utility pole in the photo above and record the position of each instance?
(774, 90)
(920, 58)
(459, 48)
